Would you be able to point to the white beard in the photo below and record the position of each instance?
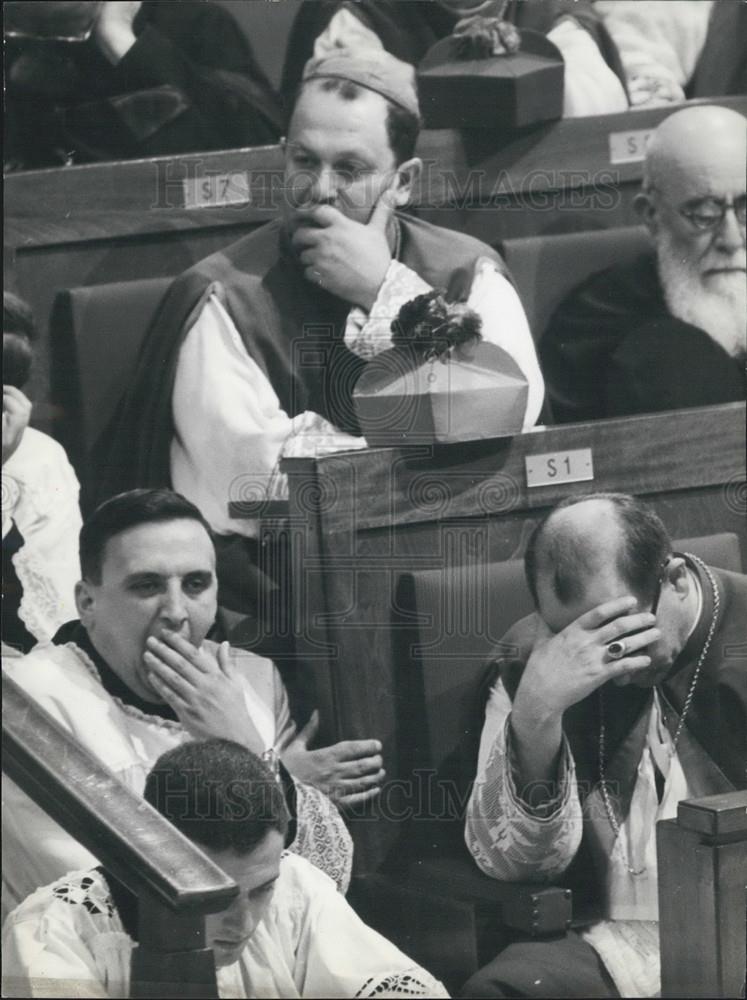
(718, 308)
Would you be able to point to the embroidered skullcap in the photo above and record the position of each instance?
(376, 70)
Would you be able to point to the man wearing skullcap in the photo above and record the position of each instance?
(256, 350)
(667, 330)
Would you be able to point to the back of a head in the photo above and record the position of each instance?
(582, 536)
(125, 511)
(19, 332)
(218, 794)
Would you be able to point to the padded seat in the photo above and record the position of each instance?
(97, 332)
(547, 268)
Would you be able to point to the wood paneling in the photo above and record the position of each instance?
(702, 857)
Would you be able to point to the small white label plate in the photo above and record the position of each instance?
(559, 467)
(216, 189)
(629, 147)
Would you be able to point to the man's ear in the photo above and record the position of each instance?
(408, 173)
(645, 208)
(678, 576)
(85, 602)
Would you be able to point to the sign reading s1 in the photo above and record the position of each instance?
(559, 467)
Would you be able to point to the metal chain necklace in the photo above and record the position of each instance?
(685, 708)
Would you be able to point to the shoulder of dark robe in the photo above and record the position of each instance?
(717, 717)
(722, 65)
(407, 30)
(586, 329)
(272, 306)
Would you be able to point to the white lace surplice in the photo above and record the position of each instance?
(67, 940)
(40, 494)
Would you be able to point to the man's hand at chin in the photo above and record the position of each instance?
(347, 258)
(205, 691)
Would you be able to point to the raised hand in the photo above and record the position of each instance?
(205, 691)
(349, 772)
(347, 258)
(16, 416)
(565, 668)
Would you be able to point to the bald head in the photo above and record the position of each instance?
(695, 150)
(587, 541)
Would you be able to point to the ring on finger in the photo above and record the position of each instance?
(616, 649)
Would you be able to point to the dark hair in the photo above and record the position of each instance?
(402, 126)
(17, 316)
(19, 331)
(218, 794)
(128, 510)
(644, 546)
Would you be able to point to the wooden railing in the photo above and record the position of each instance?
(175, 883)
(703, 897)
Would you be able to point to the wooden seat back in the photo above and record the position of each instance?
(96, 333)
(547, 268)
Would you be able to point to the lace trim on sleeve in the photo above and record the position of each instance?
(42, 608)
(322, 837)
(414, 982)
(510, 841)
(369, 335)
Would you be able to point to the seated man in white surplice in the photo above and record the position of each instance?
(136, 676)
(287, 934)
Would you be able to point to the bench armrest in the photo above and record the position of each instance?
(536, 909)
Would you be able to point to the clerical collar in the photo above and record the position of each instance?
(699, 610)
(112, 683)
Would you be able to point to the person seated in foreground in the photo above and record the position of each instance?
(623, 693)
(41, 517)
(288, 933)
(593, 75)
(148, 79)
(136, 676)
(256, 350)
(667, 331)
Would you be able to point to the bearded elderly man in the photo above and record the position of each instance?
(668, 330)
(625, 692)
(256, 350)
